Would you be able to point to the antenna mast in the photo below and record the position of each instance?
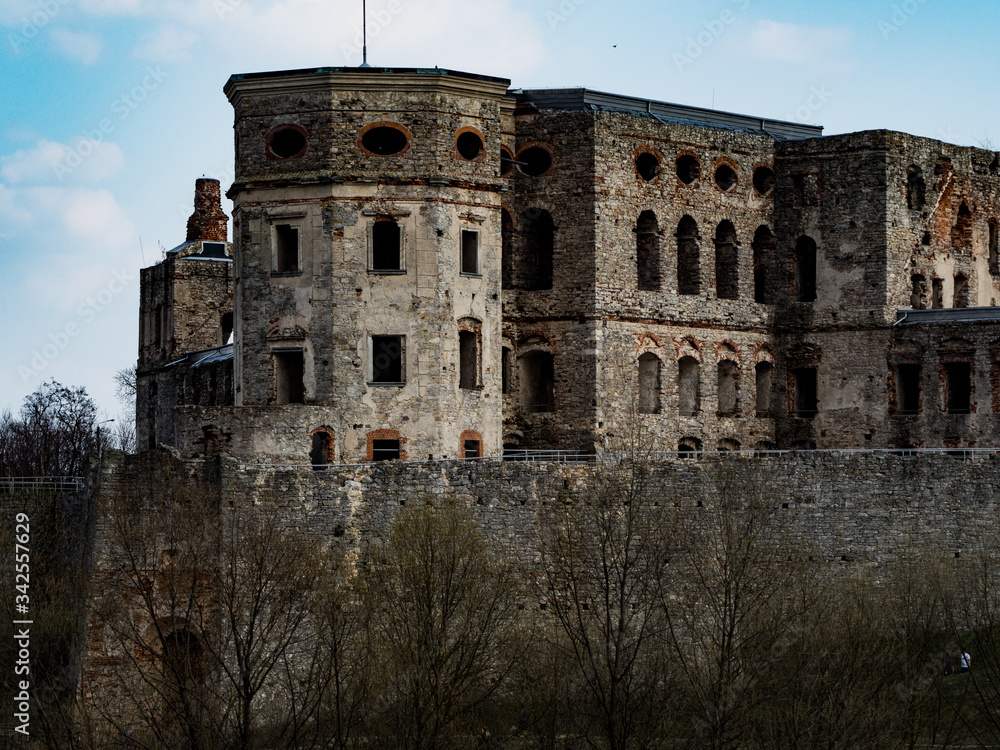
(364, 34)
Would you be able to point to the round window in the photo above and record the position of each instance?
(286, 142)
(763, 180)
(688, 169)
(384, 140)
(725, 177)
(647, 165)
(535, 161)
(469, 145)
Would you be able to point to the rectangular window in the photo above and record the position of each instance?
(537, 382)
(386, 247)
(385, 450)
(213, 250)
(470, 253)
(286, 248)
(289, 368)
(907, 389)
(806, 403)
(387, 360)
(958, 377)
(471, 449)
(468, 360)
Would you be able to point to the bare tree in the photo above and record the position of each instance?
(442, 606)
(605, 556)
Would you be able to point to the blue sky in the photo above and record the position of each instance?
(112, 108)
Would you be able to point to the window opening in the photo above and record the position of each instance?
(937, 294)
(918, 292)
(289, 370)
(994, 248)
(471, 449)
(728, 374)
(688, 447)
(688, 386)
(688, 261)
(384, 140)
(805, 269)
(647, 165)
(647, 251)
(470, 145)
(688, 169)
(387, 360)
(319, 454)
(534, 161)
(227, 328)
(287, 142)
(505, 370)
(763, 180)
(468, 360)
(649, 384)
(763, 256)
(470, 252)
(961, 233)
(907, 388)
(213, 250)
(961, 294)
(537, 382)
(727, 280)
(386, 246)
(806, 401)
(539, 236)
(958, 377)
(385, 450)
(915, 188)
(286, 238)
(725, 177)
(763, 372)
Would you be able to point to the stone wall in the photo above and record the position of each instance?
(838, 507)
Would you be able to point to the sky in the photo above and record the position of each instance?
(110, 109)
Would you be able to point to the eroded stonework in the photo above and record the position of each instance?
(427, 265)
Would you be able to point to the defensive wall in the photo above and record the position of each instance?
(838, 507)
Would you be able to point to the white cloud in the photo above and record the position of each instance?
(167, 45)
(80, 161)
(85, 48)
(787, 42)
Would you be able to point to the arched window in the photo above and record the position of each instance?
(805, 269)
(688, 260)
(728, 373)
(727, 266)
(649, 384)
(763, 260)
(321, 450)
(647, 251)
(763, 372)
(688, 386)
(689, 447)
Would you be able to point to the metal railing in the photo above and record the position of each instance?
(61, 484)
(611, 457)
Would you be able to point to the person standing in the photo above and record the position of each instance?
(965, 663)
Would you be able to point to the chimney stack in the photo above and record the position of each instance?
(208, 222)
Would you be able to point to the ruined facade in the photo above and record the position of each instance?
(427, 264)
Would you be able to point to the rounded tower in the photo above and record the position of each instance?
(368, 271)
